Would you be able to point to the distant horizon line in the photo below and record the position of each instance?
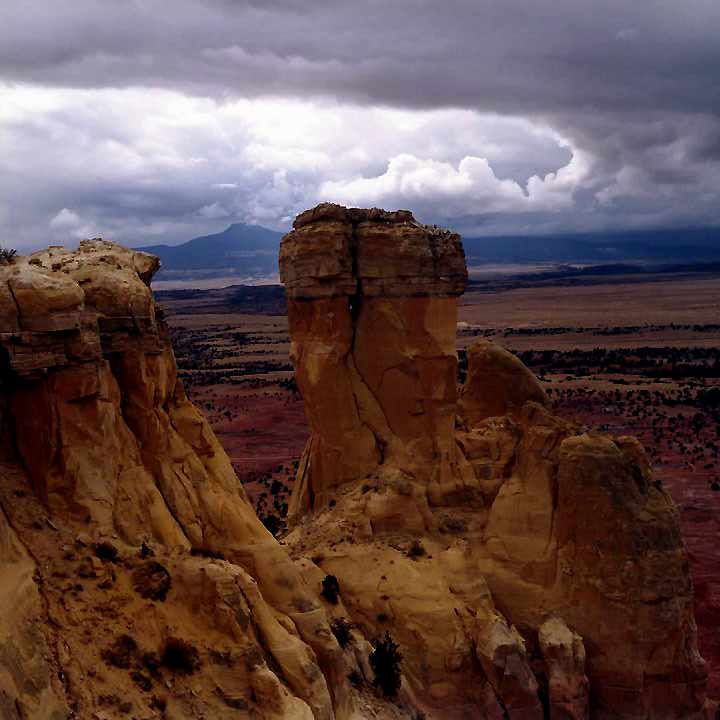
(478, 236)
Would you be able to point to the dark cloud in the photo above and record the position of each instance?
(631, 90)
(513, 56)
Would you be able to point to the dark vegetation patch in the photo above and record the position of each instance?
(330, 589)
(7, 256)
(180, 656)
(141, 680)
(106, 551)
(416, 550)
(121, 653)
(341, 629)
(385, 662)
(152, 581)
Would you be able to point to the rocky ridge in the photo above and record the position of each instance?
(524, 569)
(527, 569)
(136, 578)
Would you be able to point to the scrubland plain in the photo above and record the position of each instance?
(638, 356)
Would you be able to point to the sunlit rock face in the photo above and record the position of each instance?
(372, 305)
(123, 525)
(526, 569)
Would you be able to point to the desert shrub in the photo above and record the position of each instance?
(273, 523)
(180, 656)
(385, 662)
(341, 630)
(416, 549)
(330, 589)
(7, 256)
(106, 551)
(151, 661)
(121, 653)
(141, 680)
(152, 581)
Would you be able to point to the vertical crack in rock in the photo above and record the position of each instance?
(17, 305)
(355, 307)
(394, 373)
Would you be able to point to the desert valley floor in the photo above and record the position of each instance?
(632, 355)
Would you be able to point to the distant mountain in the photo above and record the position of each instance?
(651, 246)
(252, 250)
(239, 249)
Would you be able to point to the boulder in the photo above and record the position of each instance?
(497, 384)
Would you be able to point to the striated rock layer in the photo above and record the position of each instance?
(525, 568)
(372, 312)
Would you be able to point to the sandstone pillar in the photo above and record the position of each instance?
(372, 306)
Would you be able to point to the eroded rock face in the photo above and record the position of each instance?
(28, 688)
(497, 384)
(123, 527)
(372, 311)
(563, 655)
(525, 569)
(511, 556)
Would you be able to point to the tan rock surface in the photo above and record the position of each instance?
(28, 685)
(372, 312)
(475, 525)
(563, 654)
(105, 450)
(497, 384)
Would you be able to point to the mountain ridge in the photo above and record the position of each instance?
(251, 250)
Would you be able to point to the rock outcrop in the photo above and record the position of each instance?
(524, 567)
(135, 578)
(372, 310)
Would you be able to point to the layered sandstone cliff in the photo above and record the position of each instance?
(525, 570)
(135, 577)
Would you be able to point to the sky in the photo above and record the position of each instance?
(148, 121)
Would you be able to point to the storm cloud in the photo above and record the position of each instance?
(151, 121)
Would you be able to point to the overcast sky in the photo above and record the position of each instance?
(150, 121)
